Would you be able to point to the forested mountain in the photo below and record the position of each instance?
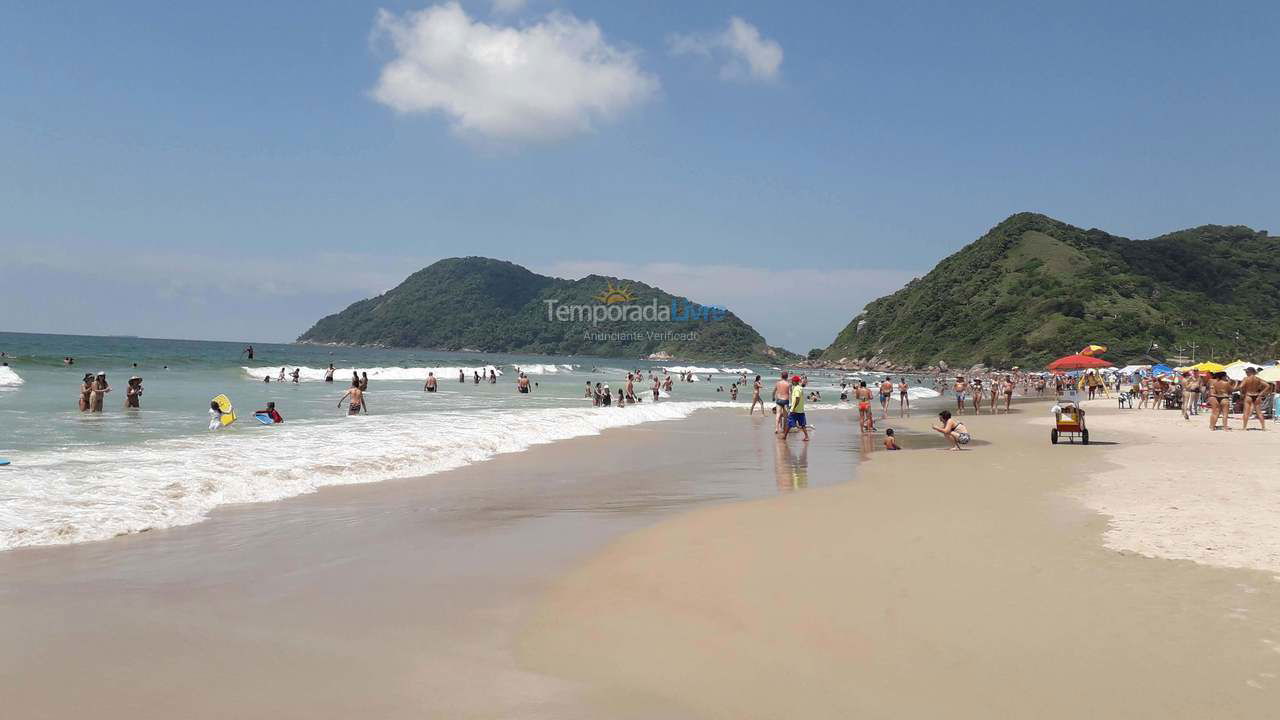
(476, 303)
(1034, 288)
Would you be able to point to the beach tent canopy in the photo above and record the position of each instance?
(1209, 367)
(1235, 370)
(1091, 350)
(1271, 374)
(1161, 369)
(1131, 369)
(1078, 362)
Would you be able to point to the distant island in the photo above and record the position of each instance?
(1034, 288)
(476, 303)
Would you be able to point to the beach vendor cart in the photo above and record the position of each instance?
(1068, 422)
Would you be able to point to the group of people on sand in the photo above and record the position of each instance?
(992, 391)
(94, 389)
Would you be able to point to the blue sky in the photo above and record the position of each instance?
(236, 171)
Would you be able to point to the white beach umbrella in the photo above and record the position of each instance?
(1235, 370)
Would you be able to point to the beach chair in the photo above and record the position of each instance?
(1068, 422)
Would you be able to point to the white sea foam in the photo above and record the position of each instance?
(310, 374)
(9, 378)
(543, 369)
(97, 493)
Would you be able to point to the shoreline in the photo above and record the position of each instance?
(393, 599)
(936, 585)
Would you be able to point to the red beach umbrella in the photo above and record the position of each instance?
(1078, 362)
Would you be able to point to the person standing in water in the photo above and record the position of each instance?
(364, 380)
(462, 377)
(328, 373)
(133, 393)
(522, 383)
(430, 384)
(656, 387)
(100, 390)
(297, 374)
(86, 392)
(248, 351)
(356, 395)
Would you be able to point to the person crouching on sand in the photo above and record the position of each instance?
(953, 430)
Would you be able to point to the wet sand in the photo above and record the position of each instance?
(391, 600)
(937, 584)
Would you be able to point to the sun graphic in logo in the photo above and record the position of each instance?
(618, 294)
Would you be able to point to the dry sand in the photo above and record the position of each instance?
(1178, 490)
(936, 584)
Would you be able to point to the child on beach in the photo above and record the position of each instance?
(890, 442)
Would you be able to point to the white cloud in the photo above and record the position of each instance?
(797, 308)
(744, 51)
(545, 81)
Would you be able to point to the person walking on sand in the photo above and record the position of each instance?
(904, 401)
(1008, 393)
(953, 430)
(755, 397)
(961, 387)
(1254, 390)
(886, 390)
(356, 396)
(1190, 394)
(781, 401)
(795, 416)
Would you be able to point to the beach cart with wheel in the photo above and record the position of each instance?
(1068, 422)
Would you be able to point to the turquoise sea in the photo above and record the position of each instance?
(79, 476)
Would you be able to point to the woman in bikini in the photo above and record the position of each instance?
(1254, 389)
(86, 389)
(904, 402)
(953, 430)
(1219, 400)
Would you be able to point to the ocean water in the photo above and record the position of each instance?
(78, 477)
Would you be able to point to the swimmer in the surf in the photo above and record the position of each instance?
(356, 396)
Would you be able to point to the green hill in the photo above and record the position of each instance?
(1034, 288)
(477, 303)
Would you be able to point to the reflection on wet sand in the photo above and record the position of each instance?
(791, 468)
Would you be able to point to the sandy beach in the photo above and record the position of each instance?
(693, 569)
(937, 584)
